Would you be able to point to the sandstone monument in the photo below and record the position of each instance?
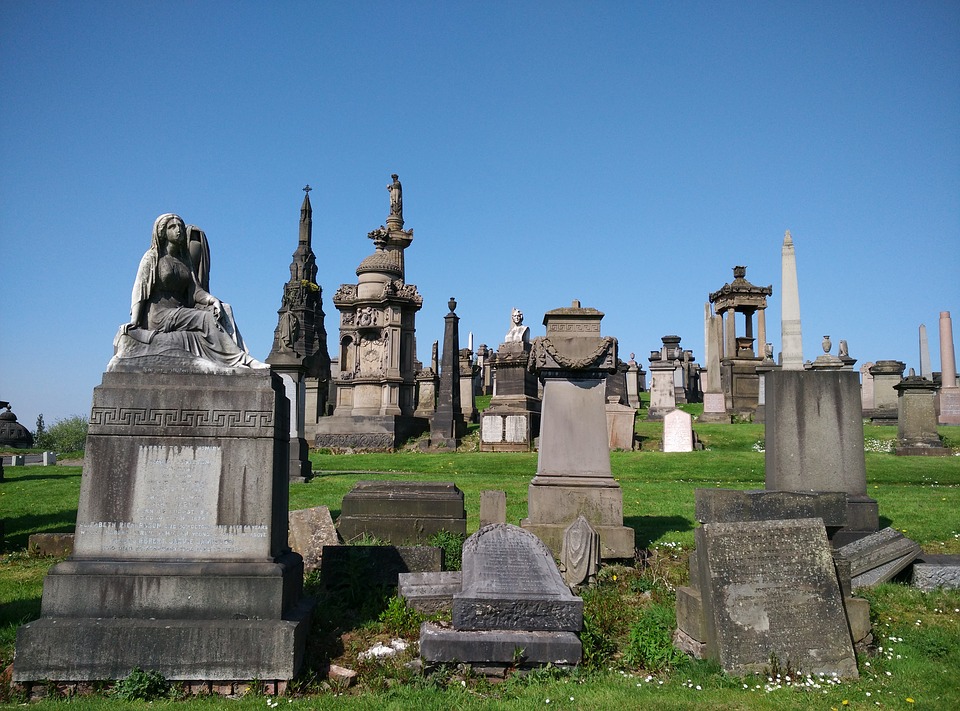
(180, 563)
(376, 387)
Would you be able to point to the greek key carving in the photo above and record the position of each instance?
(178, 417)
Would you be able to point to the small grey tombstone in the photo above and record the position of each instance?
(580, 555)
(493, 507)
(677, 432)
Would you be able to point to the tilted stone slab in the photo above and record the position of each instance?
(430, 593)
(769, 587)
(731, 505)
(311, 530)
(511, 582)
(876, 550)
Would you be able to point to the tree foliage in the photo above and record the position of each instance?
(67, 434)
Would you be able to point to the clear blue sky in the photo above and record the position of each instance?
(626, 154)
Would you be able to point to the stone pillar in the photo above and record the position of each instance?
(949, 396)
(447, 425)
(663, 394)
(814, 440)
(573, 467)
(866, 388)
(791, 340)
(917, 418)
(468, 401)
(633, 383)
(762, 328)
(886, 374)
(730, 334)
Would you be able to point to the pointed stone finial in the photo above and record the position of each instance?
(787, 239)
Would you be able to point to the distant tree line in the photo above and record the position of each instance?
(68, 434)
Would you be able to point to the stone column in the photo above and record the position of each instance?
(730, 334)
(791, 340)
(949, 396)
(926, 370)
(761, 329)
(447, 425)
(573, 467)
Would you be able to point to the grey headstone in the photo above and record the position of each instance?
(731, 505)
(310, 531)
(580, 555)
(770, 587)
(493, 507)
(430, 593)
(510, 582)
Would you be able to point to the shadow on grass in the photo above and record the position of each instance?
(649, 528)
(885, 522)
(40, 477)
(19, 528)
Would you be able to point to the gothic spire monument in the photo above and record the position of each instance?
(300, 339)
(375, 390)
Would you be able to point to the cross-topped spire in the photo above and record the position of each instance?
(307, 189)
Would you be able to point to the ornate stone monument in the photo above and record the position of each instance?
(300, 341)
(738, 359)
(573, 467)
(512, 421)
(377, 353)
(180, 562)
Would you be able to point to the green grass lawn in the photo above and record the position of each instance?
(920, 633)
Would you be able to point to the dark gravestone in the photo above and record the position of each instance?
(430, 593)
(770, 587)
(350, 566)
(731, 505)
(510, 581)
(514, 609)
(402, 512)
(447, 425)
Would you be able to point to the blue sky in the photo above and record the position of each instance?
(626, 154)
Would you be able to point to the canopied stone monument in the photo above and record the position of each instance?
(738, 358)
(180, 562)
(300, 341)
(512, 421)
(377, 353)
(573, 467)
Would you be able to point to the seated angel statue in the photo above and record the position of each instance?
(171, 314)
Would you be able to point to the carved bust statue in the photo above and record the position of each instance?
(518, 333)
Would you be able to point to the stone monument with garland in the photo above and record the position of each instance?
(573, 467)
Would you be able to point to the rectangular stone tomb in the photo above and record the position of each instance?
(731, 505)
(769, 587)
(402, 512)
(510, 581)
(180, 561)
(936, 571)
(878, 557)
(430, 593)
(349, 566)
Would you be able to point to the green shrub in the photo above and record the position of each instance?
(142, 685)
(452, 545)
(399, 619)
(68, 434)
(650, 644)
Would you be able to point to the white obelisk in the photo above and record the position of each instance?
(790, 337)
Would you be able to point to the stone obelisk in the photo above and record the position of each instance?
(790, 337)
(926, 370)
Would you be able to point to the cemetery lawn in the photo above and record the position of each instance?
(628, 663)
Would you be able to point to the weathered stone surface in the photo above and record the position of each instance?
(54, 544)
(917, 419)
(936, 571)
(620, 424)
(580, 556)
(510, 581)
(181, 538)
(689, 610)
(677, 432)
(311, 530)
(493, 507)
(858, 618)
(770, 587)
(731, 505)
(536, 648)
(878, 557)
(345, 566)
(402, 512)
(430, 593)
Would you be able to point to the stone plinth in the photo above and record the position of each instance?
(180, 561)
(573, 467)
(663, 395)
(402, 511)
(732, 505)
(814, 440)
(886, 376)
(917, 419)
(878, 557)
(512, 421)
(770, 587)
